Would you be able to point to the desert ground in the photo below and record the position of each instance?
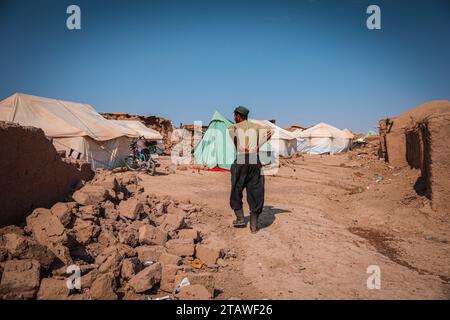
(326, 219)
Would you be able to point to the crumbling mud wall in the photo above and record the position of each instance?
(32, 174)
(420, 139)
(395, 145)
(162, 125)
(435, 131)
(415, 146)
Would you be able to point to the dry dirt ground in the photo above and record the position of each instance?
(326, 219)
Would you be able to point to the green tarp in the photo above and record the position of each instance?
(216, 149)
(370, 133)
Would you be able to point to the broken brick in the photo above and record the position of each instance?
(130, 267)
(167, 258)
(107, 237)
(129, 236)
(110, 210)
(103, 288)
(206, 279)
(90, 195)
(189, 234)
(146, 279)
(48, 231)
(88, 279)
(150, 253)
(181, 247)
(20, 279)
(85, 231)
(172, 222)
(168, 273)
(64, 210)
(130, 208)
(53, 289)
(194, 292)
(89, 212)
(208, 254)
(20, 247)
(152, 235)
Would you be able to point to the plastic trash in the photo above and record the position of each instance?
(159, 298)
(185, 282)
(197, 264)
(148, 262)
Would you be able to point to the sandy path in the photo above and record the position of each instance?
(314, 242)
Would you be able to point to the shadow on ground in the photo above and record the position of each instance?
(267, 216)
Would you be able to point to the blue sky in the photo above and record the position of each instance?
(295, 61)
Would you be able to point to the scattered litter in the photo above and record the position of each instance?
(378, 178)
(159, 298)
(428, 237)
(148, 262)
(185, 282)
(197, 264)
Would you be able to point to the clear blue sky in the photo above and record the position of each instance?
(296, 61)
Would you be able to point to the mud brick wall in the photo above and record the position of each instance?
(32, 174)
(396, 149)
(397, 136)
(437, 161)
(162, 125)
(415, 144)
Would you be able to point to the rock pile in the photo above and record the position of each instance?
(123, 242)
(162, 125)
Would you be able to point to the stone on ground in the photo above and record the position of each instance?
(20, 279)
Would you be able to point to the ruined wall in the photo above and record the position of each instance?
(415, 146)
(396, 146)
(162, 125)
(437, 161)
(32, 174)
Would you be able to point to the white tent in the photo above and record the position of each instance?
(349, 133)
(323, 138)
(283, 142)
(74, 127)
(142, 130)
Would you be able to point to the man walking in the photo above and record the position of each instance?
(246, 169)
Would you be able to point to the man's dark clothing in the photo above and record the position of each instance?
(247, 175)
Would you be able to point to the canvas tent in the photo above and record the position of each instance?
(74, 127)
(283, 142)
(140, 128)
(323, 138)
(348, 132)
(216, 149)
